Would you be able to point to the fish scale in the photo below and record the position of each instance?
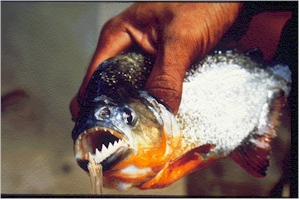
(134, 70)
(231, 106)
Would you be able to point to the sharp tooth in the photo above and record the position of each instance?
(116, 143)
(98, 153)
(99, 156)
(110, 145)
(96, 128)
(104, 129)
(104, 150)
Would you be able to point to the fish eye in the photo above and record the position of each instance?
(104, 112)
(129, 116)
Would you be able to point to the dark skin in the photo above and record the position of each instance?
(176, 33)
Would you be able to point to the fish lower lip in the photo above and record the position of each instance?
(104, 145)
(108, 162)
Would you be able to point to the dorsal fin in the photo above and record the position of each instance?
(253, 153)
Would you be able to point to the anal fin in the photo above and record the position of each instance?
(251, 158)
(253, 154)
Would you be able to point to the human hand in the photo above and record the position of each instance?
(176, 33)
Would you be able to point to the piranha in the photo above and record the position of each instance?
(230, 107)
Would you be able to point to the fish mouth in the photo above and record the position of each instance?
(106, 146)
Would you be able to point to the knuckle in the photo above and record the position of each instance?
(114, 25)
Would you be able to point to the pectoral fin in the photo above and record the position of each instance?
(173, 171)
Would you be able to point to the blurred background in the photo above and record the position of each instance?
(46, 49)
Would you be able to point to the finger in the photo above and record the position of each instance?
(166, 79)
(166, 86)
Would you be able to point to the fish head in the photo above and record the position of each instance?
(132, 137)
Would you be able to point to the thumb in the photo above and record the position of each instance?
(166, 79)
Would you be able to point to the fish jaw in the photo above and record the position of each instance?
(104, 145)
(123, 166)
